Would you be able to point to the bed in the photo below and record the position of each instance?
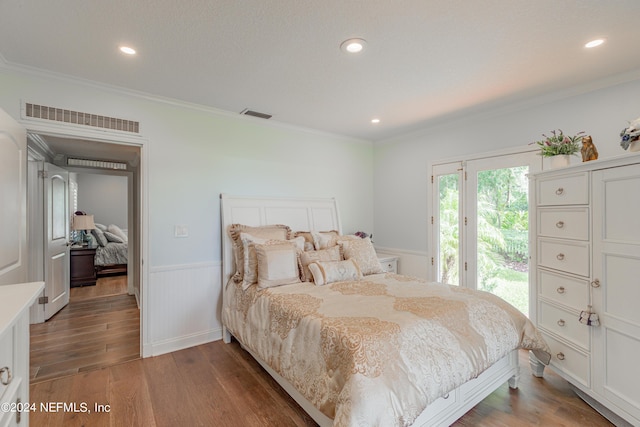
(111, 250)
(375, 349)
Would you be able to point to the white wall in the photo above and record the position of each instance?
(194, 154)
(402, 164)
(104, 196)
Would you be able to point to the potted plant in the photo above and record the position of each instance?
(559, 147)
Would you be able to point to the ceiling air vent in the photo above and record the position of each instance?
(248, 112)
(79, 118)
(96, 164)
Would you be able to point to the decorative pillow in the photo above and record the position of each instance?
(306, 258)
(308, 239)
(114, 229)
(325, 273)
(112, 237)
(362, 251)
(276, 232)
(250, 259)
(100, 237)
(277, 264)
(324, 239)
(101, 227)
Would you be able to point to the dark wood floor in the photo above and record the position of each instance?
(220, 384)
(99, 327)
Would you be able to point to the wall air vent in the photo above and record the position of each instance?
(96, 164)
(78, 118)
(248, 112)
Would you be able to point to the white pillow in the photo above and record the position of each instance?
(250, 260)
(277, 264)
(326, 272)
(114, 229)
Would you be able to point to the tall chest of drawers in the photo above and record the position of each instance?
(587, 255)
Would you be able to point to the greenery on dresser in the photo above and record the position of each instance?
(558, 144)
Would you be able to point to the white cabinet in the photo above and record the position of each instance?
(14, 350)
(587, 239)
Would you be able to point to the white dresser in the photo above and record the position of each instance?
(15, 301)
(587, 253)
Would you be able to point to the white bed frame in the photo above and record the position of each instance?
(322, 214)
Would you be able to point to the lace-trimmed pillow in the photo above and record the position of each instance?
(306, 258)
(277, 264)
(276, 232)
(363, 252)
(325, 273)
(250, 258)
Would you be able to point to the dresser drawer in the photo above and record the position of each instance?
(563, 190)
(568, 360)
(564, 223)
(566, 290)
(564, 255)
(7, 365)
(563, 323)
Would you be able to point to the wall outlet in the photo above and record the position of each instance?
(181, 231)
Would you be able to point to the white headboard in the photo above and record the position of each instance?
(301, 214)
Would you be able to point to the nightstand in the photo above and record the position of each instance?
(82, 268)
(389, 263)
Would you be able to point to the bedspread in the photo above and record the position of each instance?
(379, 350)
(112, 253)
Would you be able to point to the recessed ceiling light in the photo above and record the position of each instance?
(594, 43)
(375, 121)
(353, 45)
(128, 50)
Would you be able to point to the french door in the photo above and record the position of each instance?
(481, 224)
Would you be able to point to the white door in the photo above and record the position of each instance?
(13, 201)
(480, 224)
(56, 234)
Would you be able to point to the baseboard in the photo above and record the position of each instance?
(603, 410)
(180, 343)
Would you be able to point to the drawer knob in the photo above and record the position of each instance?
(560, 257)
(560, 224)
(560, 322)
(560, 356)
(560, 290)
(595, 283)
(5, 375)
(559, 191)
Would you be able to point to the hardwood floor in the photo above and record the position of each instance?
(220, 384)
(99, 327)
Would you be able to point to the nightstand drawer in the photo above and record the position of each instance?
(564, 223)
(568, 256)
(566, 290)
(564, 190)
(389, 263)
(564, 324)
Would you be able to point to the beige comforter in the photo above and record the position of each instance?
(376, 351)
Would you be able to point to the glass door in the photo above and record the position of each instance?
(497, 244)
(446, 221)
(480, 224)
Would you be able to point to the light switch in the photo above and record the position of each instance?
(181, 231)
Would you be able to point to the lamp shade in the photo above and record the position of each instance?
(83, 222)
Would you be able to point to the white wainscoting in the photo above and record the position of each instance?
(184, 307)
(411, 263)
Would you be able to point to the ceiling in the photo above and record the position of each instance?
(425, 60)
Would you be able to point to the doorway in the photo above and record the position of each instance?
(481, 224)
(58, 149)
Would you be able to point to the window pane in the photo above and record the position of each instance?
(449, 235)
(502, 234)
